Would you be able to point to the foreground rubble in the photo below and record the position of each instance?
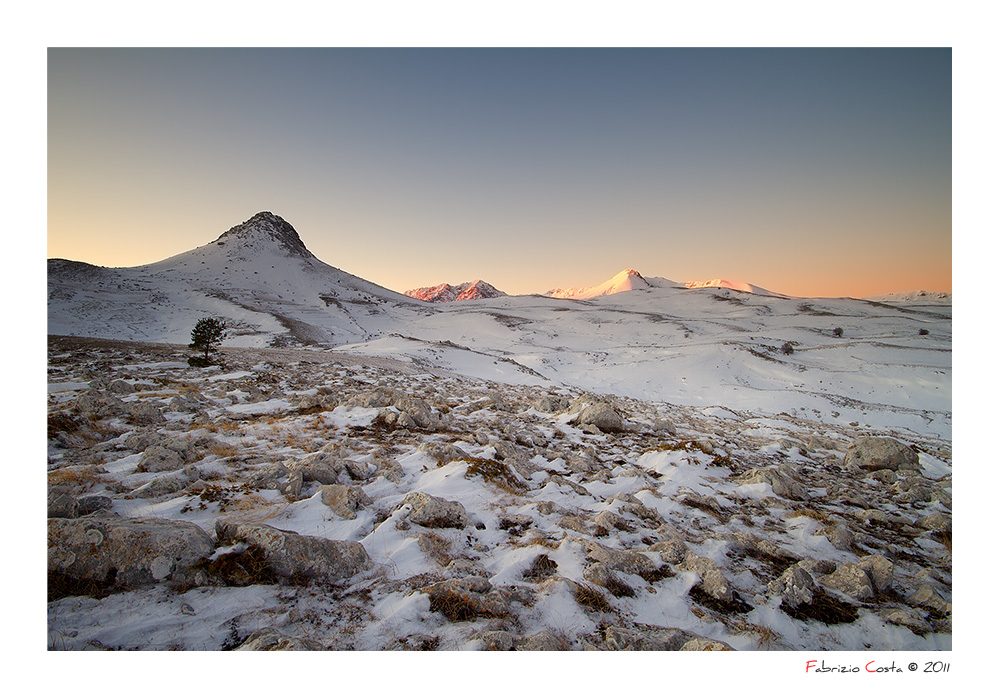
(295, 499)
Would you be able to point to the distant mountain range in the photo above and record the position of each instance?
(446, 293)
(272, 291)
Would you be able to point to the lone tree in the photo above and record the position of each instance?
(787, 348)
(207, 334)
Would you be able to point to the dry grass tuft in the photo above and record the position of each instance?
(766, 637)
(592, 598)
(84, 476)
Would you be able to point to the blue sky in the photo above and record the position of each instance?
(820, 172)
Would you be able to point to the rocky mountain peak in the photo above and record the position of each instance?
(267, 226)
(446, 293)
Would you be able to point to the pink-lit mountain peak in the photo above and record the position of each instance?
(626, 280)
(446, 293)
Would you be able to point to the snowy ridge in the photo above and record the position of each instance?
(733, 285)
(446, 293)
(915, 298)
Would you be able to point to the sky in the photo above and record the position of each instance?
(810, 172)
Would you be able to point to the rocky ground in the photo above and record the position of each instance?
(313, 500)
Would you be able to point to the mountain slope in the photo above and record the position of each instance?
(258, 276)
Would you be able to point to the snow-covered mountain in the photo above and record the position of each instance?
(626, 280)
(258, 276)
(446, 293)
(734, 285)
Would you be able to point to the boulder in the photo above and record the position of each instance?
(629, 562)
(344, 500)
(877, 453)
(713, 582)
(298, 557)
(780, 479)
(62, 503)
(269, 639)
(436, 513)
(157, 458)
(96, 405)
(602, 416)
(321, 467)
(168, 483)
(543, 640)
(121, 387)
(118, 553)
(463, 599)
(647, 638)
(795, 586)
(879, 569)
(550, 404)
(141, 413)
(852, 580)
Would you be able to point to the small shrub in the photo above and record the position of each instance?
(787, 348)
(838, 332)
(924, 331)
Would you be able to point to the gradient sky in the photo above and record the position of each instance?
(812, 172)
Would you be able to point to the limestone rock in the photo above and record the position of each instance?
(463, 599)
(713, 581)
(158, 458)
(879, 569)
(648, 638)
(269, 639)
(602, 416)
(780, 480)
(795, 586)
(119, 553)
(850, 579)
(344, 500)
(436, 513)
(295, 556)
(877, 453)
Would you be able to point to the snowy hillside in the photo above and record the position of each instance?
(258, 276)
(446, 293)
